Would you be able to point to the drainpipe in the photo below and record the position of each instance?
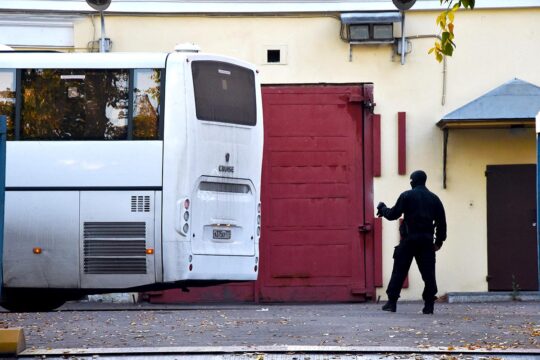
(403, 39)
(102, 48)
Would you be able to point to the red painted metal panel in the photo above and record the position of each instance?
(366, 154)
(317, 190)
(378, 258)
(402, 143)
(313, 195)
(234, 292)
(376, 145)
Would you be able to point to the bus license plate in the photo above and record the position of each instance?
(222, 234)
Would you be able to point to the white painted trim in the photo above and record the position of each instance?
(30, 30)
(275, 6)
(112, 60)
(272, 349)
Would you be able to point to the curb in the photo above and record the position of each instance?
(275, 349)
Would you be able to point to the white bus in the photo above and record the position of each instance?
(128, 171)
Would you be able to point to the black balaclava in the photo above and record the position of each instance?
(418, 178)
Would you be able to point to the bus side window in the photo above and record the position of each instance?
(146, 104)
(7, 100)
(74, 104)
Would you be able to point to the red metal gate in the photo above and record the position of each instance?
(313, 195)
(317, 205)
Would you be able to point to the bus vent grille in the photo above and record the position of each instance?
(115, 266)
(114, 248)
(140, 203)
(115, 230)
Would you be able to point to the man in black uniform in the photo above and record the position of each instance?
(423, 231)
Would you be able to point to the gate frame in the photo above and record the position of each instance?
(538, 195)
(3, 129)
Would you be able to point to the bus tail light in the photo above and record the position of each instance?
(258, 219)
(149, 251)
(183, 216)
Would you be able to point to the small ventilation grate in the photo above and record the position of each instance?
(140, 203)
(114, 247)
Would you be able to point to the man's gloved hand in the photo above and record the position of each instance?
(380, 207)
(437, 246)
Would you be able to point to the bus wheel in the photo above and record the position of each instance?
(31, 303)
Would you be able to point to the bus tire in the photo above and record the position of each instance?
(28, 303)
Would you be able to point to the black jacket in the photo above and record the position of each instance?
(424, 214)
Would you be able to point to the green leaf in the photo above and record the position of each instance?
(448, 49)
(444, 37)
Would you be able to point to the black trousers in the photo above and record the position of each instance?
(424, 254)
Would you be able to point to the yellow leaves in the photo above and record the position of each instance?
(445, 21)
(441, 19)
(450, 15)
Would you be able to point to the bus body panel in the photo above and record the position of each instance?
(220, 228)
(80, 164)
(105, 234)
(224, 213)
(210, 207)
(175, 171)
(116, 233)
(48, 221)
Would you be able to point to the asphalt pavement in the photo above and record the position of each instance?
(503, 326)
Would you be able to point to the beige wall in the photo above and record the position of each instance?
(494, 46)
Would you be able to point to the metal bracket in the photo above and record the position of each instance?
(364, 228)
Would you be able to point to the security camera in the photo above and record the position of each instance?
(400, 4)
(99, 5)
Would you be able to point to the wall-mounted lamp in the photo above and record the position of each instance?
(368, 28)
(101, 5)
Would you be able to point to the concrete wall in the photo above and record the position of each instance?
(494, 46)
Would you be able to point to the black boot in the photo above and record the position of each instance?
(390, 305)
(428, 307)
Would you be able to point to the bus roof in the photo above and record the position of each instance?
(12, 60)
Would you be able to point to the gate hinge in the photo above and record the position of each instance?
(365, 228)
(368, 104)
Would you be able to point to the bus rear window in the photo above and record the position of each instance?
(224, 92)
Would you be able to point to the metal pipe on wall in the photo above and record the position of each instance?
(414, 37)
